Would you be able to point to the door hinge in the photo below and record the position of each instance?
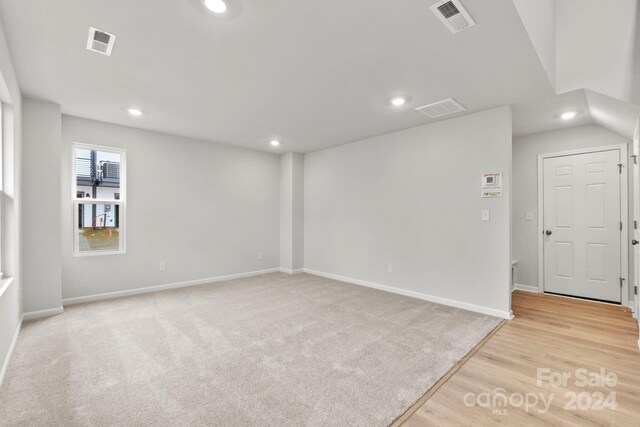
(635, 159)
(635, 290)
(621, 280)
(620, 166)
(635, 225)
(620, 225)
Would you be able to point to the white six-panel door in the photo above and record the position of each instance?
(582, 225)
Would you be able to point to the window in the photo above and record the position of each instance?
(99, 203)
(1, 186)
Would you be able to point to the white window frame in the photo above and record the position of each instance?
(2, 139)
(122, 202)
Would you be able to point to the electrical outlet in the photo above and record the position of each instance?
(163, 266)
(259, 256)
(390, 268)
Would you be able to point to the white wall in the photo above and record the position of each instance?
(286, 211)
(539, 19)
(298, 212)
(42, 238)
(10, 298)
(525, 187)
(292, 211)
(203, 208)
(412, 199)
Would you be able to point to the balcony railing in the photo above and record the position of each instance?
(84, 168)
(107, 174)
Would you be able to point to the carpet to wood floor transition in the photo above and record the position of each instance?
(267, 350)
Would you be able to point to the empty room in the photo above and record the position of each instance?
(319, 213)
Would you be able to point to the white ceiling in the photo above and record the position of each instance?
(617, 116)
(592, 107)
(313, 73)
(544, 115)
(595, 46)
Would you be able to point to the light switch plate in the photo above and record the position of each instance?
(486, 215)
(528, 216)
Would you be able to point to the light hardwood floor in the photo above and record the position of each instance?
(556, 333)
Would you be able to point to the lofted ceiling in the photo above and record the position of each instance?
(545, 114)
(618, 116)
(590, 107)
(312, 73)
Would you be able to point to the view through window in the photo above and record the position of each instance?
(99, 201)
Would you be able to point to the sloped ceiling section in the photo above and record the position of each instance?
(591, 107)
(539, 19)
(617, 116)
(586, 44)
(544, 115)
(596, 46)
(635, 94)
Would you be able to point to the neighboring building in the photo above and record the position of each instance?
(98, 177)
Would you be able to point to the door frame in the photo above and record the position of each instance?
(624, 212)
(636, 212)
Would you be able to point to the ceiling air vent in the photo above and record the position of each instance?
(453, 15)
(441, 108)
(100, 41)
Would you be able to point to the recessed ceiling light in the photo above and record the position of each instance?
(274, 142)
(568, 115)
(216, 6)
(398, 101)
(135, 112)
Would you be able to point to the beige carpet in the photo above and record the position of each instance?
(268, 350)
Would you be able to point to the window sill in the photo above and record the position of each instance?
(4, 285)
(97, 253)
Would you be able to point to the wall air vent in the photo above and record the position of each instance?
(453, 15)
(100, 41)
(441, 108)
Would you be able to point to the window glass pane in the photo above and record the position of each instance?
(98, 227)
(97, 174)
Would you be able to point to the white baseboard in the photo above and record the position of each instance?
(288, 271)
(149, 289)
(12, 347)
(526, 288)
(414, 294)
(32, 315)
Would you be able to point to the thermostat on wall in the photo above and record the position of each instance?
(491, 185)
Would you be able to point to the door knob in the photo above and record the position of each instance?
(634, 242)
(548, 232)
